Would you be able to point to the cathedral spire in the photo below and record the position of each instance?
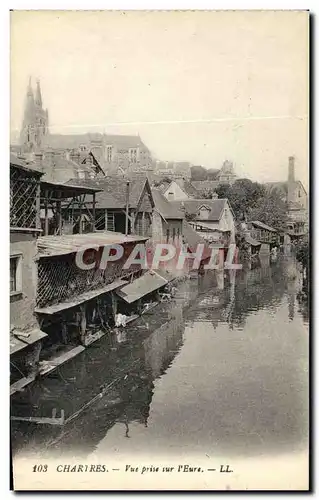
(38, 96)
(35, 119)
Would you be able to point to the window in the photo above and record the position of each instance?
(109, 153)
(15, 274)
(82, 147)
(167, 235)
(178, 233)
(299, 194)
(174, 233)
(204, 212)
(81, 174)
(133, 155)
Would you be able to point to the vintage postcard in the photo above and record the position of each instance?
(159, 268)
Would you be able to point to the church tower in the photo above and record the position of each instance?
(35, 121)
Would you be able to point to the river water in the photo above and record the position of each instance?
(221, 368)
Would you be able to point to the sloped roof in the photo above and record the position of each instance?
(165, 207)
(74, 141)
(62, 169)
(263, 226)
(187, 187)
(124, 141)
(282, 187)
(252, 241)
(142, 286)
(192, 207)
(71, 243)
(113, 194)
(193, 239)
(23, 164)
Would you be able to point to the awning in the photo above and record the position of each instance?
(213, 226)
(252, 241)
(140, 287)
(80, 299)
(19, 342)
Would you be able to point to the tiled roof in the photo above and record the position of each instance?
(113, 194)
(192, 207)
(165, 207)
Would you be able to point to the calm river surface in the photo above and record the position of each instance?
(221, 368)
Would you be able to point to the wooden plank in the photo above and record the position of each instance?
(150, 307)
(17, 386)
(89, 339)
(53, 363)
(131, 318)
(43, 420)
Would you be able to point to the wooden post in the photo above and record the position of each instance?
(143, 223)
(114, 305)
(38, 219)
(64, 332)
(58, 211)
(139, 306)
(46, 219)
(127, 206)
(132, 222)
(82, 323)
(105, 228)
(93, 210)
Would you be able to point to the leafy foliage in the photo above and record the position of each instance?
(271, 210)
(198, 173)
(250, 201)
(302, 251)
(243, 196)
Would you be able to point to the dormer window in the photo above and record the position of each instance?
(83, 148)
(204, 212)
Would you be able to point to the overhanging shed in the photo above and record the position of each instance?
(140, 287)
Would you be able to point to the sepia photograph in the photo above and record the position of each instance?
(159, 250)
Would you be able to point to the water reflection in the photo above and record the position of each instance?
(222, 366)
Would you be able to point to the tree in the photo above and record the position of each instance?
(243, 196)
(302, 251)
(198, 173)
(272, 210)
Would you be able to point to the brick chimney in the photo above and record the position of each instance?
(291, 169)
(291, 179)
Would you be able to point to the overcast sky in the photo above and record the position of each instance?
(201, 87)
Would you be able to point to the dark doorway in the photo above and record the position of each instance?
(119, 223)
